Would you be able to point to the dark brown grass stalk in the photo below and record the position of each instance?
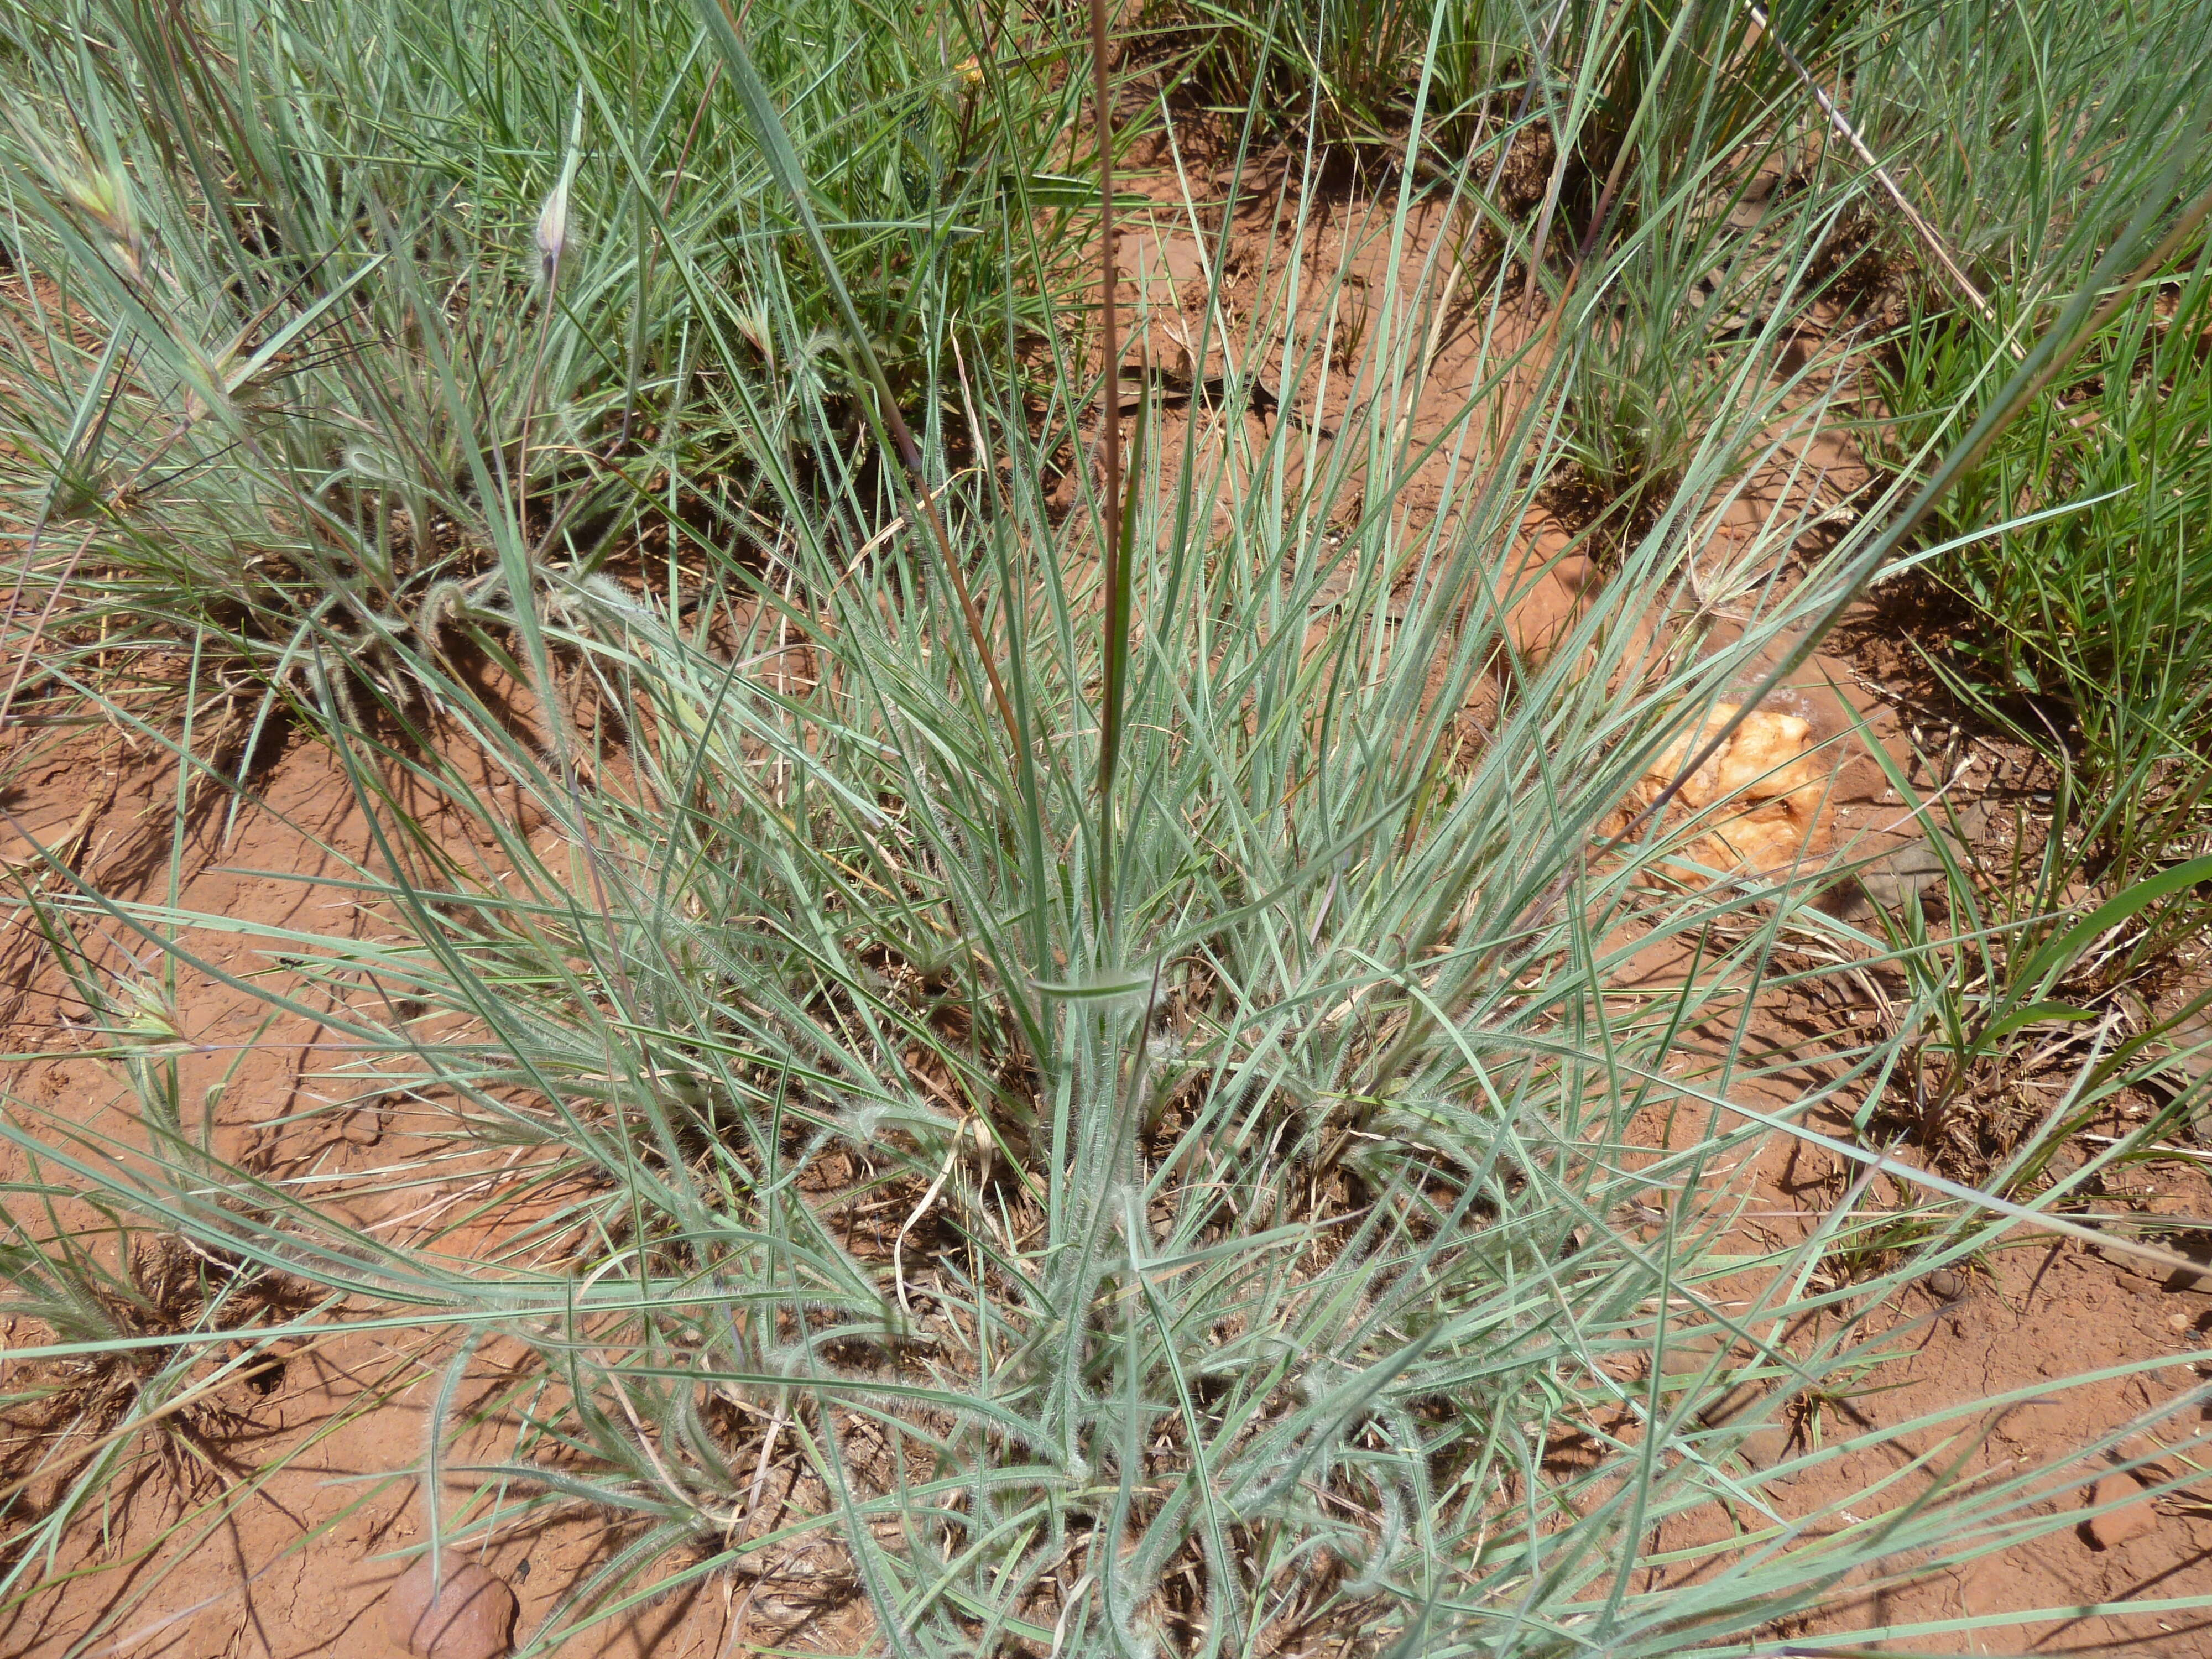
(1112, 557)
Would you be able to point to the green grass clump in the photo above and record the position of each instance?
(1259, 1163)
(2024, 135)
(1205, 958)
(2088, 630)
(335, 321)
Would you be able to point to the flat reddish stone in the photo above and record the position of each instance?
(2115, 1526)
(470, 1617)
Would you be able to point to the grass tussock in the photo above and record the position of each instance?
(1119, 1064)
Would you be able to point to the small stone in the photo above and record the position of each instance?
(1765, 1445)
(1892, 877)
(2144, 1453)
(1947, 1285)
(471, 1616)
(2131, 1520)
(2136, 1273)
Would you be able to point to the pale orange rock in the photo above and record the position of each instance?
(1769, 765)
(1769, 758)
(472, 1615)
(1765, 757)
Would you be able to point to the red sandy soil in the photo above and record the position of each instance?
(308, 1493)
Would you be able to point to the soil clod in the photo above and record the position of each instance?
(468, 1614)
(2115, 1526)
